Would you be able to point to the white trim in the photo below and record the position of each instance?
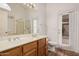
(60, 16)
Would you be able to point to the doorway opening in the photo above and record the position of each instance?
(65, 29)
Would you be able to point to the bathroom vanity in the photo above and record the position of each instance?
(20, 28)
(37, 46)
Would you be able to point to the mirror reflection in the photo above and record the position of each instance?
(19, 23)
(18, 20)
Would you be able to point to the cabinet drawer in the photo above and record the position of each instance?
(31, 53)
(41, 42)
(12, 52)
(29, 46)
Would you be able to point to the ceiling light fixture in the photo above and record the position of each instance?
(30, 5)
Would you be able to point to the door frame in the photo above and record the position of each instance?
(60, 19)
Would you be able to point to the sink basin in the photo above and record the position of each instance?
(4, 43)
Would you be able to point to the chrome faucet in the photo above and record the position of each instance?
(16, 38)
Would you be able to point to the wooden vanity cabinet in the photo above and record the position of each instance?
(30, 49)
(31, 53)
(42, 47)
(12, 52)
(35, 48)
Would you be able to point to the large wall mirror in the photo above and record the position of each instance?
(18, 20)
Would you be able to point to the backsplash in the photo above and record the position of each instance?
(14, 36)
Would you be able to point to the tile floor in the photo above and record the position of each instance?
(61, 52)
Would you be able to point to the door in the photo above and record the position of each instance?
(20, 26)
(42, 47)
(65, 27)
(42, 51)
(27, 28)
(3, 22)
(34, 26)
(60, 29)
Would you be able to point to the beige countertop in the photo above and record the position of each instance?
(11, 43)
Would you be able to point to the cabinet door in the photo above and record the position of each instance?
(42, 47)
(12, 52)
(29, 46)
(41, 51)
(30, 49)
(41, 43)
(31, 53)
